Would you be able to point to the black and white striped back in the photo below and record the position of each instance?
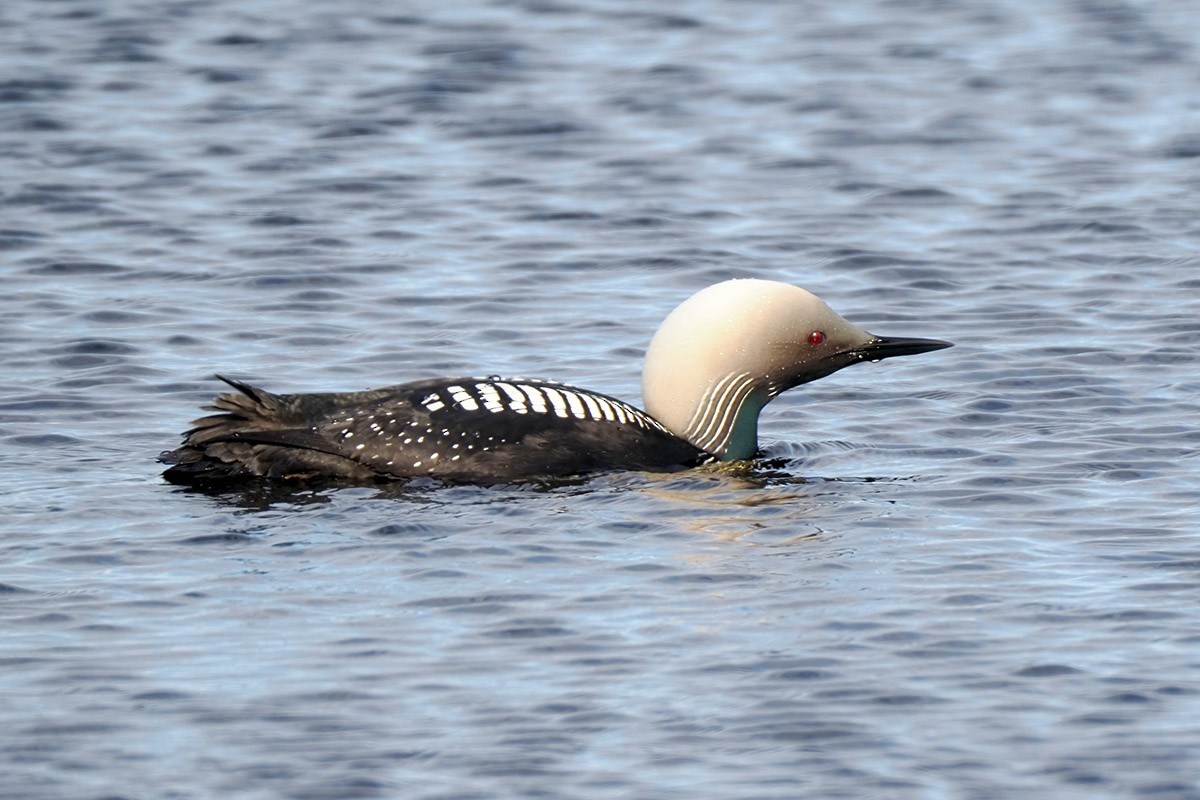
(456, 429)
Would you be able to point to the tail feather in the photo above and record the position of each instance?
(258, 398)
(251, 409)
(255, 434)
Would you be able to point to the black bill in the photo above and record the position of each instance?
(882, 347)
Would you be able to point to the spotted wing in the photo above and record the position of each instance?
(458, 429)
(487, 428)
(257, 433)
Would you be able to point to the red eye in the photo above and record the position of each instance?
(816, 337)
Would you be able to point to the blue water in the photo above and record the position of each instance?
(967, 574)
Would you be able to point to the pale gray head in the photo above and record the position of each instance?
(728, 350)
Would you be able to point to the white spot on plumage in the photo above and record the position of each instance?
(620, 413)
(573, 402)
(605, 408)
(556, 400)
(536, 398)
(435, 406)
(516, 400)
(462, 398)
(592, 408)
(490, 396)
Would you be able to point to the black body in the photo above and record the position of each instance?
(467, 429)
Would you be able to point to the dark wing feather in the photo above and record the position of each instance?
(467, 429)
(261, 434)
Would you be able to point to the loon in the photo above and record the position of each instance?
(713, 365)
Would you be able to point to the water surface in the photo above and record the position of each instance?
(971, 574)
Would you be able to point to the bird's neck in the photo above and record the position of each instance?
(724, 418)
